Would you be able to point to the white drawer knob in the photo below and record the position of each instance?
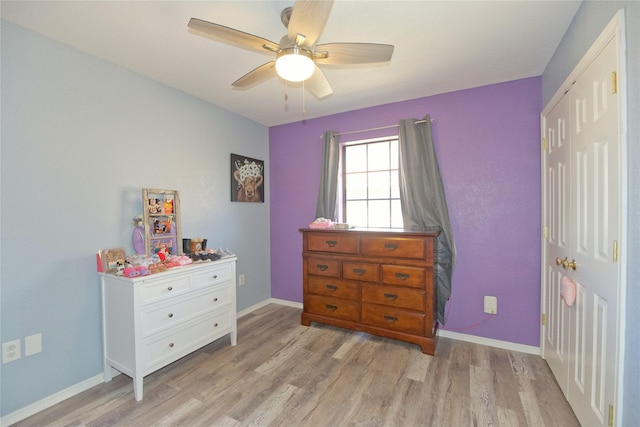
(215, 299)
(170, 344)
(215, 276)
(215, 325)
(170, 288)
(170, 315)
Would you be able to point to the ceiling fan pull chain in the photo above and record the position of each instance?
(304, 107)
(286, 91)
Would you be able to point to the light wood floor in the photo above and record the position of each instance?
(285, 374)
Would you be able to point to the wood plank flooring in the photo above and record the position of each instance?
(285, 374)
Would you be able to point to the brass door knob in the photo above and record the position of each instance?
(573, 264)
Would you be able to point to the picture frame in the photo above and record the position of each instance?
(110, 258)
(247, 179)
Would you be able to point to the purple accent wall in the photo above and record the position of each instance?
(488, 144)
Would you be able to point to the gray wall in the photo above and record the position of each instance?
(587, 25)
(80, 138)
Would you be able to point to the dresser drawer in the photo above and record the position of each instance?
(212, 276)
(393, 247)
(332, 242)
(362, 271)
(332, 307)
(156, 290)
(333, 287)
(323, 267)
(414, 277)
(168, 346)
(393, 296)
(162, 316)
(397, 319)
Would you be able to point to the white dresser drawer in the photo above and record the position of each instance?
(213, 276)
(164, 348)
(165, 315)
(156, 290)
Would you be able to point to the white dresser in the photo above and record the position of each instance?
(151, 321)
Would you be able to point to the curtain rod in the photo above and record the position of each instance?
(378, 128)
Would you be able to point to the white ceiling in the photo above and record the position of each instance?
(440, 46)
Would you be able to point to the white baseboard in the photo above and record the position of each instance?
(267, 302)
(49, 401)
(506, 345)
(55, 398)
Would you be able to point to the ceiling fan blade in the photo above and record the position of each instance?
(308, 18)
(318, 84)
(234, 36)
(256, 75)
(352, 53)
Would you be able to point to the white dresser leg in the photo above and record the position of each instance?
(137, 388)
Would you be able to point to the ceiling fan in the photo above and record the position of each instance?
(297, 55)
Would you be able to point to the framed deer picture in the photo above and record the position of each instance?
(247, 179)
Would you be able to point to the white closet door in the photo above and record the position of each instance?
(582, 215)
(556, 181)
(595, 225)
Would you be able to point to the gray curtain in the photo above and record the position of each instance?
(328, 193)
(424, 205)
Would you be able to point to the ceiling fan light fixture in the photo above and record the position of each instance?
(294, 64)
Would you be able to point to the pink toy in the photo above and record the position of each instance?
(142, 270)
(131, 272)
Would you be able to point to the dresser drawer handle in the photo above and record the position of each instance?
(359, 271)
(215, 325)
(170, 315)
(390, 247)
(170, 288)
(332, 287)
(391, 297)
(215, 299)
(322, 267)
(215, 276)
(391, 319)
(402, 276)
(170, 345)
(332, 307)
(331, 243)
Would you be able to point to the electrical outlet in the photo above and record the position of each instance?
(241, 279)
(32, 344)
(490, 305)
(10, 351)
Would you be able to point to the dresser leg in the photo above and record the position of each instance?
(234, 337)
(137, 388)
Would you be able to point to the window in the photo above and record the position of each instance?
(370, 186)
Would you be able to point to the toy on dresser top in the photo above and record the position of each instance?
(142, 265)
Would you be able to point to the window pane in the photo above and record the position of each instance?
(378, 156)
(395, 185)
(357, 213)
(396, 214)
(356, 186)
(355, 158)
(393, 154)
(379, 213)
(379, 185)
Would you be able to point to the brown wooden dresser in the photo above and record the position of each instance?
(379, 282)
